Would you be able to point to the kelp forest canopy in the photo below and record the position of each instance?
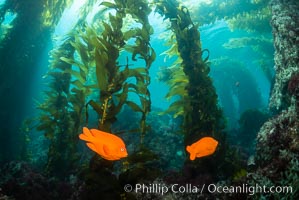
(104, 60)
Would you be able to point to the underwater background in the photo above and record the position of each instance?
(161, 75)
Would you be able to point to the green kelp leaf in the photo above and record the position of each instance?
(77, 99)
(129, 48)
(145, 102)
(90, 38)
(108, 4)
(45, 107)
(132, 88)
(176, 90)
(179, 112)
(129, 34)
(73, 62)
(101, 71)
(51, 94)
(176, 107)
(83, 74)
(68, 60)
(121, 76)
(171, 52)
(152, 57)
(140, 89)
(108, 30)
(121, 98)
(143, 33)
(78, 84)
(178, 81)
(97, 107)
(178, 73)
(92, 86)
(76, 96)
(44, 125)
(150, 28)
(77, 109)
(49, 109)
(134, 106)
(76, 75)
(116, 23)
(103, 45)
(81, 49)
(84, 67)
(138, 73)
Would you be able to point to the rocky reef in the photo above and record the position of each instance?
(18, 180)
(285, 28)
(277, 151)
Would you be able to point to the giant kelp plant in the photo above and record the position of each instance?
(62, 108)
(111, 76)
(87, 67)
(198, 102)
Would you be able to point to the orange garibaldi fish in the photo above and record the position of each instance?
(204, 147)
(107, 145)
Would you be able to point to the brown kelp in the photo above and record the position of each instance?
(198, 102)
(61, 111)
(116, 48)
(112, 77)
(87, 67)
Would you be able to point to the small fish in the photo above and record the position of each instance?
(107, 145)
(204, 147)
